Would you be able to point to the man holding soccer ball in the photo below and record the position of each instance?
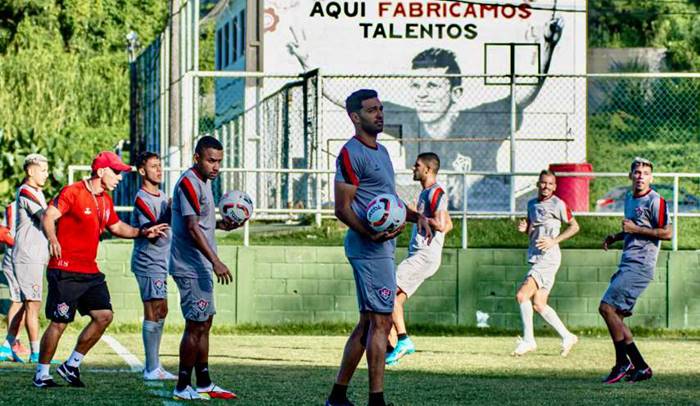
(364, 171)
(193, 259)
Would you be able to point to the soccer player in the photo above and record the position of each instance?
(545, 215)
(423, 259)
(8, 350)
(364, 170)
(73, 223)
(646, 223)
(193, 258)
(31, 251)
(149, 261)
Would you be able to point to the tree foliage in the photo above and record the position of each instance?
(64, 83)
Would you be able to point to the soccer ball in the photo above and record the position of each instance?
(386, 212)
(236, 206)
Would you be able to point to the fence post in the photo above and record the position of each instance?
(319, 143)
(674, 239)
(513, 127)
(246, 226)
(464, 211)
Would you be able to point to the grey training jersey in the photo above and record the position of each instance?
(31, 245)
(192, 197)
(9, 222)
(371, 171)
(150, 257)
(648, 211)
(545, 218)
(431, 200)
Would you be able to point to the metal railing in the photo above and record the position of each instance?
(323, 208)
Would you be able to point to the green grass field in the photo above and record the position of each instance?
(299, 370)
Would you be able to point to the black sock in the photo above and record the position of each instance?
(202, 373)
(184, 378)
(636, 356)
(620, 353)
(403, 336)
(376, 399)
(389, 347)
(339, 394)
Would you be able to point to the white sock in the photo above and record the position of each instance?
(34, 345)
(42, 370)
(9, 341)
(551, 317)
(75, 359)
(526, 315)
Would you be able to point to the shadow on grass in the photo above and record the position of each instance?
(309, 385)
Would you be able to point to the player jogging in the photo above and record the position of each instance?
(364, 170)
(149, 261)
(8, 351)
(73, 224)
(545, 215)
(646, 223)
(423, 259)
(193, 259)
(31, 251)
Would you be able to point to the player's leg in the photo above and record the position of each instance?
(404, 345)
(352, 354)
(33, 307)
(201, 368)
(15, 317)
(189, 351)
(153, 295)
(524, 296)
(47, 349)
(379, 326)
(550, 316)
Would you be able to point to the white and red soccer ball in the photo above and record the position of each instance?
(386, 212)
(236, 206)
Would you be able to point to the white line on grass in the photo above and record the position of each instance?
(134, 364)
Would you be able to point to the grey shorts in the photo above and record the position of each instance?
(414, 270)
(31, 281)
(12, 284)
(152, 287)
(375, 282)
(624, 289)
(196, 297)
(544, 273)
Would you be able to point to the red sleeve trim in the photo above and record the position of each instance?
(190, 194)
(437, 195)
(346, 168)
(9, 216)
(29, 195)
(144, 209)
(662, 213)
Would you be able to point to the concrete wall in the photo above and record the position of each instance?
(315, 284)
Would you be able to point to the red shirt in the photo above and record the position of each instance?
(84, 218)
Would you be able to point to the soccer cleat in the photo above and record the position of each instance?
(45, 382)
(636, 375)
(6, 354)
(70, 375)
(187, 394)
(216, 392)
(403, 347)
(19, 349)
(617, 373)
(346, 403)
(158, 374)
(523, 347)
(567, 344)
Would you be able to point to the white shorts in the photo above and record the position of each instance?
(544, 273)
(12, 284)
(31, 281)
(415, 269)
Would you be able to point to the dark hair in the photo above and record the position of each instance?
(143, 157)
(353, 103)
(439, 58)
(638, 161)
(207, 142)
(547, 172)
(431, 159)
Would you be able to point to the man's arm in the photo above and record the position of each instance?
(122, 230)
(545, 243)
(422, 223)
(664, 233)
(51, 215)
(223, 275)
(344, 195)
(611, 239)
(442, 222)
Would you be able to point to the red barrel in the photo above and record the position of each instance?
(573, 189)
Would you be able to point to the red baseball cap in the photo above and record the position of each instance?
(108, 159)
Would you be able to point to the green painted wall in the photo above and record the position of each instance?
(315, 284)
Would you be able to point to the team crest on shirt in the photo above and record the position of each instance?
(541, 211)
(158, 286)
(639, 211)
(87, 211)
(385, 294)
(62, 309)
(202, 304)
(35, 289)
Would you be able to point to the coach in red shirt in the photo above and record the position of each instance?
(73, 224)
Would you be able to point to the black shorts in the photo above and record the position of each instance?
(71, 291)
